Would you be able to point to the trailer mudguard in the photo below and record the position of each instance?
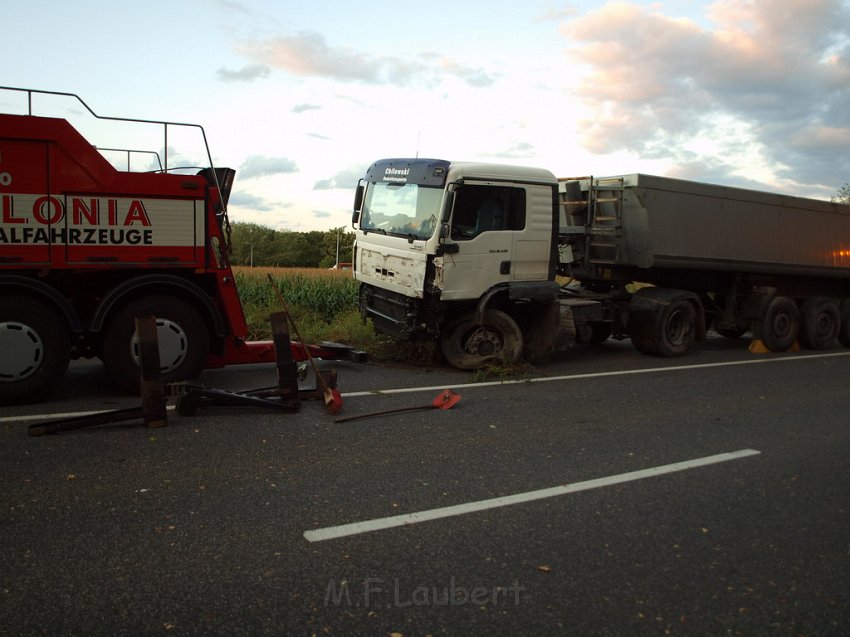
(647, 303)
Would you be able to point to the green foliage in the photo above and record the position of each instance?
(257, 245)
(324, 306)
(843, 195)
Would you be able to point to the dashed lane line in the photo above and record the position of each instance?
(379, 524)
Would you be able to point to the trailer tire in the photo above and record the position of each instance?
(820, 323)
(184, 343)
(780, 325)
(36, 349)
(468, 345)
(844, 330)
(675, 329)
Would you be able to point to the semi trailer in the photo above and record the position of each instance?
(86, 247)
(496, 262)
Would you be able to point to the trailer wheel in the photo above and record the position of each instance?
(36, 349)
(821, 320)
(182, 334)
(844, 330)
(778, 329)
(675, 329)
(468, 345)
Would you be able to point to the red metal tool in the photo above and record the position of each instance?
(445, 400)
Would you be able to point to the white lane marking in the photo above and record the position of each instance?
(68, 414)
(367, 526)
(494, 383)
(624, 372)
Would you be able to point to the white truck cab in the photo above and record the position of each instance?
(439, 242)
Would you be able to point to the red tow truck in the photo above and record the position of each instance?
(85, 247)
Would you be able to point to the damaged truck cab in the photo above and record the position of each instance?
(463, 253)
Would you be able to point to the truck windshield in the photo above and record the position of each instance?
(407, 210)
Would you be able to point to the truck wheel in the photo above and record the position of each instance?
(468, 345)
(821, 319)
(674, 329)
(844, 330)
(36, 348)
(778, 329)
(183, 337)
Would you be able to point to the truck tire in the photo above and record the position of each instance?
(36, 349)
(780, 325)
(844, 330)
(468, 345)
(674, 329)
(820, 322)
(184, 343)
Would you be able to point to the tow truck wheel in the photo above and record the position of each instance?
(36, 349)
(820, 321)
(468, 345)
(181, 333)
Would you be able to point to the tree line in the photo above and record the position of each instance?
(255, 244)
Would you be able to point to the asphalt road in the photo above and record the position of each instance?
(245, 522)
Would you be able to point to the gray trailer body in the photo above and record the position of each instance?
(643, 221)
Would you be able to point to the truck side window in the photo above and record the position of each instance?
(480, 209)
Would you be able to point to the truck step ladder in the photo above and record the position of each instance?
(605, 221)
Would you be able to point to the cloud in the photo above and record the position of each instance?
(768, 79)
(261, 166)
(321, 214)
(245, 74)
(243, 199)
(345, 180)
(308, 54)
(301, 108)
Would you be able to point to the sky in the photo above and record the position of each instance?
(301, 97)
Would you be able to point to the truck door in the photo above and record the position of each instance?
(484, 222)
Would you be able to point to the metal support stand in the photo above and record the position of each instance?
(285, 396)
(153, 410)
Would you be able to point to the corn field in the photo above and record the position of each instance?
(322, 302)
(326, 293)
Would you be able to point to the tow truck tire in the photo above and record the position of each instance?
(820, 320)
(468, 345)
(183, 337)
(35, 348)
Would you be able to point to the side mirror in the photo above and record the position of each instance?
(358, 203)
(448, 204)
